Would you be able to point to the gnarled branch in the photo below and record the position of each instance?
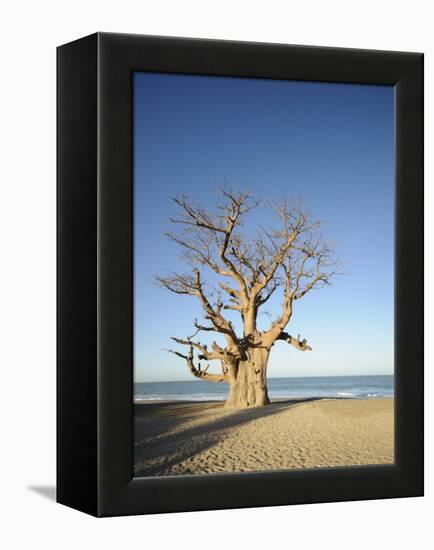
(198, 372)
(291, 257)
(301, 345)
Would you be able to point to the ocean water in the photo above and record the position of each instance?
(318, 386)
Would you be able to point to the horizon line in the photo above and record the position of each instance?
(272, 378)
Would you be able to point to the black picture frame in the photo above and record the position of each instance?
(95, 288)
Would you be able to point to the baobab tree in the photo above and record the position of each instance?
(292, 258)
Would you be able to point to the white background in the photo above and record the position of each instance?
(30, 31)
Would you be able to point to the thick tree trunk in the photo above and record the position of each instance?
(248, 388)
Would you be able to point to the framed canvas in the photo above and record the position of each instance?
(296, 175)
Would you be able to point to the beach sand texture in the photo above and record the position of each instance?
(202, 438)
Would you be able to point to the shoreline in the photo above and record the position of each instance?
(202, 437)
(172, 401)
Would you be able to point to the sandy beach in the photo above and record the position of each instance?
(201, 438)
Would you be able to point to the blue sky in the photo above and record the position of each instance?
(331, 144)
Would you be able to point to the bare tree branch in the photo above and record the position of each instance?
(292, 256)
(198, 372)
(301, 345)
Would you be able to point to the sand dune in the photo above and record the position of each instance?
(201, 438)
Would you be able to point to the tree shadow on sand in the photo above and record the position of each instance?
(161, 442)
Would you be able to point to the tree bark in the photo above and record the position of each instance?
(248, 387)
